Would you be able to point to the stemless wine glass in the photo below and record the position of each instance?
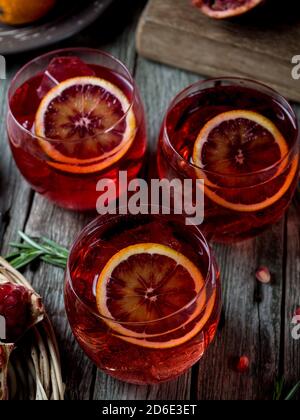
(242, 139)
(142, 296)
(75, 117)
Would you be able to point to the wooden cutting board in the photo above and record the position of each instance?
(260, 46)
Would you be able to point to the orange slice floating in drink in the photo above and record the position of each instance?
(90, 123)
(155, 294)
(237, 144)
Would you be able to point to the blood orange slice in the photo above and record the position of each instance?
(147, 289)
(236, 145)
(90, 123)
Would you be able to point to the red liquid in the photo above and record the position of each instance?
(183, 124)
(122, 359)
(75, 191)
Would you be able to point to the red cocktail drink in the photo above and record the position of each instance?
(241, 138)
(142, 296)
(75, 117)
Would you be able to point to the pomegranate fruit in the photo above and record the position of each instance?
(21, 309)
(222, 9)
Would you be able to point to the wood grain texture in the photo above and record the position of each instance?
(15, 194)
(108, 388)
(260, 47)
(251, 325)
(290, 346)
(50, 221)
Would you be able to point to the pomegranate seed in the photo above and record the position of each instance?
(243, 364)
(263, 275)
(297, 313)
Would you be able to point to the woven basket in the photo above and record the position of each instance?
(34, 371)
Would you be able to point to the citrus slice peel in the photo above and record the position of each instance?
(211, 188)
(87, 103)
(202, 304)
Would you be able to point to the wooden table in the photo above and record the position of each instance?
(257, 318)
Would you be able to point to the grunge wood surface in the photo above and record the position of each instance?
(256, 319)
(259, 46)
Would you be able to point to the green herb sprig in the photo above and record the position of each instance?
(293, 392)
(279, 388)
(32, 249)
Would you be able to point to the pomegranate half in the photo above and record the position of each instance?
(222, 9)
(21, 309)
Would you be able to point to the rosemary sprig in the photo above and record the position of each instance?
(293, 392)
(278, 391)
(32, 249)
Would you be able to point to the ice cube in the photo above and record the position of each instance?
(60, 69)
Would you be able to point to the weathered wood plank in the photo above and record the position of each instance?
(291, 346)
(174, 390)
(175, 33)
(158, 86)
(114, 32)
(252, 322)
(15, 194)
(61, 226)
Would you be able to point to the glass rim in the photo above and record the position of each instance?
(59, 52)
(166, 137)
(95, 225)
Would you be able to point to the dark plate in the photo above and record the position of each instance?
(67, 18)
